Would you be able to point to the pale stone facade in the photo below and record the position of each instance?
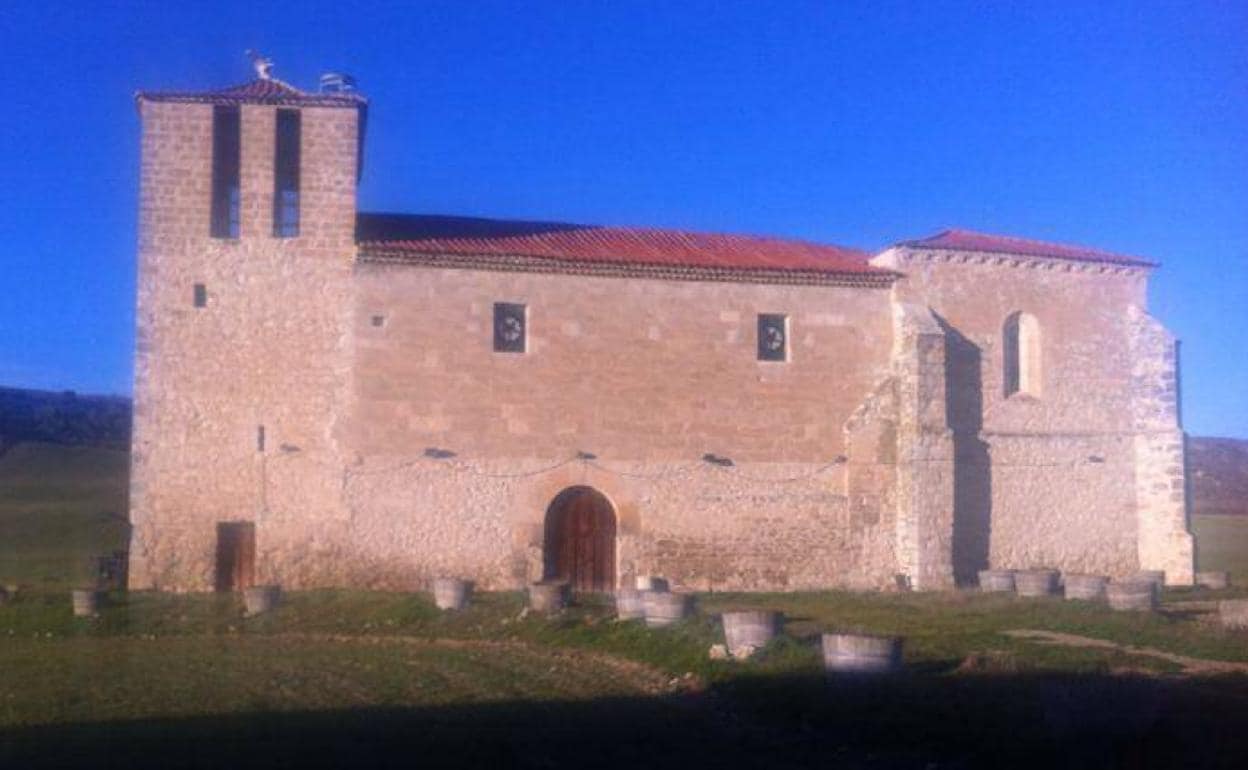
(398, 444)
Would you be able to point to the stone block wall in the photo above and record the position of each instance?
(648, 376)
(1165, 542)
(269, 349)
(627, 368)
(1086, 475)
(1065, 500)
(925, 456)
(750, 527)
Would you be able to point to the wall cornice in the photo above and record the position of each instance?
(899, 258)
(524, 264)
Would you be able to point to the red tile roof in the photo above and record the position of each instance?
(258, 91)
(526, 245)
(967, 240)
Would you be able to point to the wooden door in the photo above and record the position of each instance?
(236, 555)
(580, 540)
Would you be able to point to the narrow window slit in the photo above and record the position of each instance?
(226, 142)
(286, 175)
(1021, 355)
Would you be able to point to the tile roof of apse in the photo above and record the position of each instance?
(258, 91)
(559, 247)
(967, 240)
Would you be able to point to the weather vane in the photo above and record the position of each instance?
(264, 66)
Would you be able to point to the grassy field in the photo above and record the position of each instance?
(1222, 544)
(492, 684)
(60, 508)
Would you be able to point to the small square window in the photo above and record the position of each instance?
(510, 328)
(200, 295)
(378, 321)
(773, 337)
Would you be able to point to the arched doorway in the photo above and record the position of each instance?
(580, 540)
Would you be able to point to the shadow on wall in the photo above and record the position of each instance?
(913, 720)
(972, 470)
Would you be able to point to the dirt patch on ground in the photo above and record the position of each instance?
(1197, 666)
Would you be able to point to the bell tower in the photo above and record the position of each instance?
(247, 210)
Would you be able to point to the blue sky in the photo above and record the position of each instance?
(1123, 126)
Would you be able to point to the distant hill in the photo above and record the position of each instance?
(1218, 473)
(65, 418)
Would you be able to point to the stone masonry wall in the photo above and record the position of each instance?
(925, 457)
(749, 527)
(1051, 479)
(628, 368)
(1161, 479)
(648, 376)
(269, 349)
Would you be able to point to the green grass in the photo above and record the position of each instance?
(387, 661)
(941, 630)
(60, 509)
(1222, 544)
(109, 679)
(38, 477)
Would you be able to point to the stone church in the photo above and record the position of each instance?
(331, 397)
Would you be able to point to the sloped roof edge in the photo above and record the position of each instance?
(258, 91)
(969, 240)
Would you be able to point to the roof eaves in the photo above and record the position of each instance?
(384, 252)
(282, 95)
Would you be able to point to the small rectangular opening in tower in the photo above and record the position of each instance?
(286, 175)
(259, 438)
(226, 143)
(199, 296)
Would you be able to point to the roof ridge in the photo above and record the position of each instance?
(258, 81)
(284, 84)
(1022, 239)
(961, 239)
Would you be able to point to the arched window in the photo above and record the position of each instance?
(1022, 357)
